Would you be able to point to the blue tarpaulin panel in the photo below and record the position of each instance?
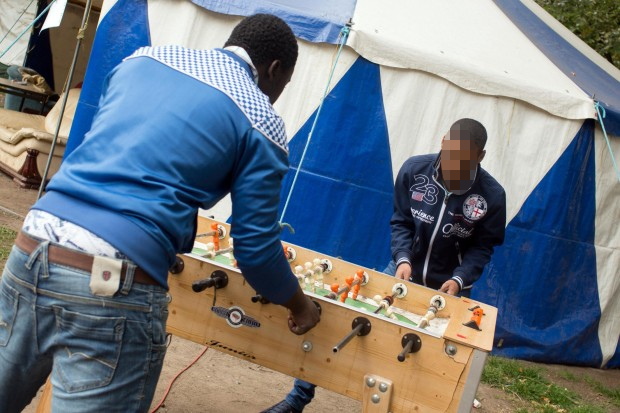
(347, 171)
(579, 68)
(124, 29)
(314, 21)
(614, 362)
(545, 272)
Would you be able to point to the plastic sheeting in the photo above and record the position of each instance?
(472, 44)
(315, 21)
(592, 78)
(545, 273)
(607, 244)
(349, 148)
(122, 30)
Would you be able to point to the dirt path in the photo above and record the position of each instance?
(14, 202)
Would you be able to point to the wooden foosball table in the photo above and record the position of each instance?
(393, 345)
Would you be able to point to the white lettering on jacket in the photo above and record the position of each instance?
(422, 216)
(457, 229)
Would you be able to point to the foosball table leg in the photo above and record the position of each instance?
(45, 402)
(479, 359)
(377, 394)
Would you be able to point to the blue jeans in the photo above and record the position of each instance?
(390, 269)
(301, 394)
(104, 354)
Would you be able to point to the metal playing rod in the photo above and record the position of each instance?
(360, 327)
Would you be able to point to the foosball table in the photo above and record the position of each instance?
(393, 345)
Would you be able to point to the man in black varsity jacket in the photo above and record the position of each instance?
(449, 213)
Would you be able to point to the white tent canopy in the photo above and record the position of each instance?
(408, 71)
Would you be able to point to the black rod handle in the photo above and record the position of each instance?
(218, 279)
(411, 344)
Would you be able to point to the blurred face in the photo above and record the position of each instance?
(272, 79)
(459, 160)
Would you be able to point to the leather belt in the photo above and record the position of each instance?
(75, 259)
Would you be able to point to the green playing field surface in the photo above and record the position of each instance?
(225, 259)
(220, 259)
(365, 306)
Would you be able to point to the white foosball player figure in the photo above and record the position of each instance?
(317, 269)
(301, 277)
(437, 303)
(210, 250)
(309, 274)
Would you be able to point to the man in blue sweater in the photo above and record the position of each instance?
(449, 214)
(84, 291)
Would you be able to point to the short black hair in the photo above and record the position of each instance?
(265, 38)
(473, 129)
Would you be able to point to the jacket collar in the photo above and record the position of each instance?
(238, 53)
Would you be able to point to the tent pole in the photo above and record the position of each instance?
(65, 93)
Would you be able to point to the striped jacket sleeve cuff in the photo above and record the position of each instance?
(459, 281)
(402, 260)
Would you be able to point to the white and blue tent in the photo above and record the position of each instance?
(409, 69)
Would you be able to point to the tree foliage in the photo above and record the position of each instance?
(596, 22)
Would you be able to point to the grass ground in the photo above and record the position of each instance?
(533, 386)
(6, 241)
